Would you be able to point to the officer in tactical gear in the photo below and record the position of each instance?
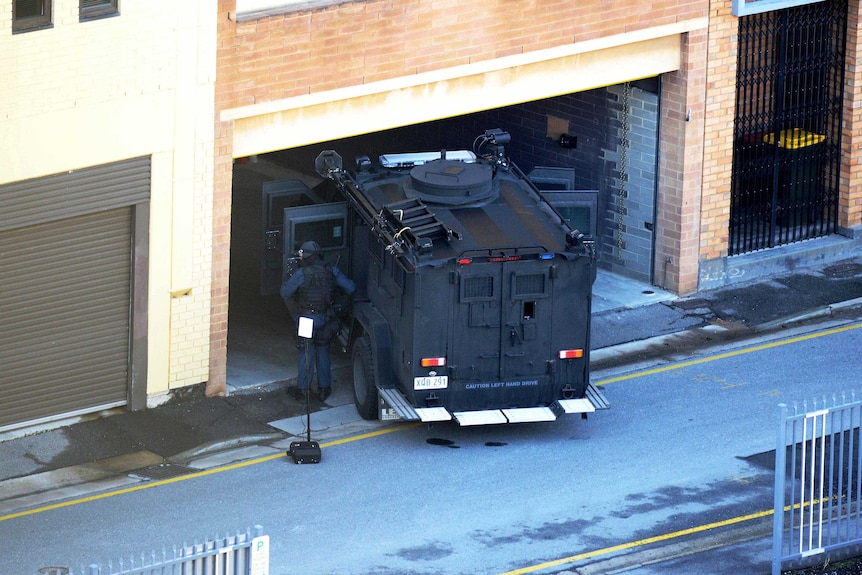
(313, 288)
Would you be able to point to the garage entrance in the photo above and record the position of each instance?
(595, 152)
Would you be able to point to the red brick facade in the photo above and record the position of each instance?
(361, 42)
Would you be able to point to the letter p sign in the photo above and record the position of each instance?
(260, 555)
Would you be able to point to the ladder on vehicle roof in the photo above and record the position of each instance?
(413, 215)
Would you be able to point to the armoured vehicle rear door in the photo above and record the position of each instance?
(498, 322)
(526, 305)
(325, 224)
(276, 196)
(476, 343)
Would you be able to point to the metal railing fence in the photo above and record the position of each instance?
(818, 480)
(241, 554)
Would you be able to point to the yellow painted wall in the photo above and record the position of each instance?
(80, 94)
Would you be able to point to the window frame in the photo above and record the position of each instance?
(103, 9)
(30, 23)
(749, 7)
(254, 9)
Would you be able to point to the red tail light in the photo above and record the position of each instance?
(571, 353)
(433, 361)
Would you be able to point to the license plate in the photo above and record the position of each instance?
(431, 382)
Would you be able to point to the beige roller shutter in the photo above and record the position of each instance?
(64, 300)
(66, 285)
(74, 193)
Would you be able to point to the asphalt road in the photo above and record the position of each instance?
(678, 454)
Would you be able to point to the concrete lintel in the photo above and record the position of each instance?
(345, 112)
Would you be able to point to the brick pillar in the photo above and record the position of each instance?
(681, 168)
(719, 117)
(850, 192)
(222, 189)
(221, 214)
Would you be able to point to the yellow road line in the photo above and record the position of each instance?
(150, 485)
(728, 354)
(370, 434)
(657, 539)
(639, 543)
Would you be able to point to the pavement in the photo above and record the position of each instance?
(631, 323)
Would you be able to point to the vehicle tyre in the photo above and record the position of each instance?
(364, 388)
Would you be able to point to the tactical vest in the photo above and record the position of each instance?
(316, 290)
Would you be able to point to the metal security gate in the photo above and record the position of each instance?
(818, 481)
(787, 130)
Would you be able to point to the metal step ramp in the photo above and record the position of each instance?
(394, 401)
(593, 400)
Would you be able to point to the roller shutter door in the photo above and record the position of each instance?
(64, 300)
(66, 245)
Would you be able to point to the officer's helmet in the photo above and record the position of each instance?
(309, 249)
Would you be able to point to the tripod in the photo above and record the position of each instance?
(307, 451)
(309, 358)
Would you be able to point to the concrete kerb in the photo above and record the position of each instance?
(224, 445)
(73, 482)
(825, 311)
(701, 337)
(658, 345)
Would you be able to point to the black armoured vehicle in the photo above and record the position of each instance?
(473, 293)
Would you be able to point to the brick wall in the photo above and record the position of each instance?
(361, 42)
(718, 131)
(583, 115)
(221, 209)
(628, 239)
(681, 135)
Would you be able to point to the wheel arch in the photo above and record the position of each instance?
(372, 323)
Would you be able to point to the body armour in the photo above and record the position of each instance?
(316, 290)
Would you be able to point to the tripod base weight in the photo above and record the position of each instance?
(304, 451)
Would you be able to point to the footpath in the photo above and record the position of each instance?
(192, 432)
